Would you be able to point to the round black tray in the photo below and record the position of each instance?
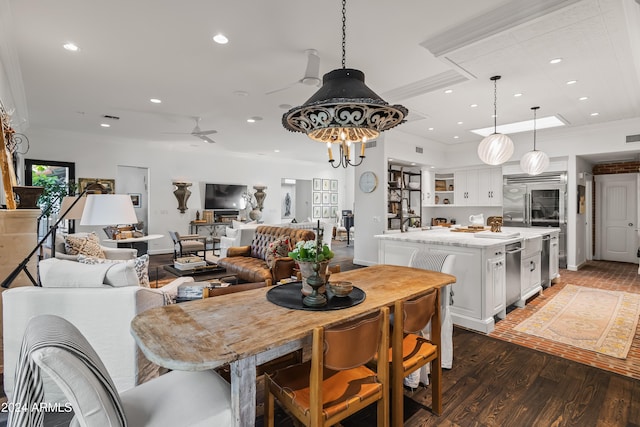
(290, 295)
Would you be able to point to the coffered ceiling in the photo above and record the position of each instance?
(411, 51)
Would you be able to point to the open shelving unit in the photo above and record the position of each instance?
(404, 195)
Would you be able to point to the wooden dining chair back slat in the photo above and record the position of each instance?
(410, 350)
(335, 383)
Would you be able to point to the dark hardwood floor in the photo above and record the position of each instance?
(496, 383)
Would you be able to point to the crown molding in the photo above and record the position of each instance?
(505, 17)
(430, 84)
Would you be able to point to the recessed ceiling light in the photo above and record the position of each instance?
(459, 123)
(241, 93)
(430, 129)
(595, 114)
(105, 125)
(285, 106)
(155, 101)
(583, 98)
(555, 61)
(456, 137)
(448, 91)
(413, 164)
(517, 95)
(276, 151)
(71, 47)
(251, 120)
(432, 167)
(572, 82)
(473, 105)
(220, 39)
(509, 128)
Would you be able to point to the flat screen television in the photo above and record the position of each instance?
(224, 196)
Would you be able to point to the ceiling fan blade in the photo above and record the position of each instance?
(206, 139)
(283, 88)
(205, 132)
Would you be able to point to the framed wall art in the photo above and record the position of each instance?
(317, 211)
(326, 185)
(136, 199)
(97, 185)
(317, 198)
(317, 184)
(334, 185)
(326, 212)
(326, 198)
(334, 198)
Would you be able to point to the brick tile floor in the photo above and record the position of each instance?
(596, 274)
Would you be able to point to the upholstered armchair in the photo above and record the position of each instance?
(236, 237)
(190, 243)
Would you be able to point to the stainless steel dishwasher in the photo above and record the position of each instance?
(513, 252)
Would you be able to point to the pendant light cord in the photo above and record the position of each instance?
(495, 106)
(535, 110)
(344, 33)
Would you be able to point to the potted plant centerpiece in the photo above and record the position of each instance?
(305, 253)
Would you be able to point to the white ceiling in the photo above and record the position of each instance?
(410, 51)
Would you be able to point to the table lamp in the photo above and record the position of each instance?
(108, 209)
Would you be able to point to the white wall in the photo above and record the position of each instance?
(98, 157)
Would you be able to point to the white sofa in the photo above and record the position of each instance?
(103, 315)
(239, 235)
(109, 253)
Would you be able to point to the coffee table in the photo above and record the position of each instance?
(198, 271)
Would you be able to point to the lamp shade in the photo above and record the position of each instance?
(495, 149)
(108, 209)
(76, 210)
(534, 162)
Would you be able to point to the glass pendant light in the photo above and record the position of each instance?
(496, 148)
(534, 162)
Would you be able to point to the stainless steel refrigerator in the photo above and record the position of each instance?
(537, 201)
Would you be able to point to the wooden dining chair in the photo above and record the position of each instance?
(410, 350)
(335, 383)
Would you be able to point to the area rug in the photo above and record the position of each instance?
(592, 319)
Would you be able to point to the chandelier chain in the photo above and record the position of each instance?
(344, 33)
(535, 110)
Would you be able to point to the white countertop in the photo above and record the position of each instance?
(444, 236)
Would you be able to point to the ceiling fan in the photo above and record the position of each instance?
(202, 134)
(311, 74)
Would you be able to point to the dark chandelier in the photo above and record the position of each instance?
(344, 111)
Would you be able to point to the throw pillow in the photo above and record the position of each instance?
(86, 245)
(140, 264)
(277, 249)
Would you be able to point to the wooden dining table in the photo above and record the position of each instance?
(245, 330)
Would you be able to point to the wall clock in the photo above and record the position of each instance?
(368, 181)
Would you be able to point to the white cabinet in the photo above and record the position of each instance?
(496, 280)
(466, 187)
(479, 291)
(490, 187)
(428, 194)
(554, 256)
(530, 271)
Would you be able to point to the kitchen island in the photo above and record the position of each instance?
(478, 296)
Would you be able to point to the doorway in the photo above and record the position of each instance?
(617, 212)
(133, 180)
(295, 196)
